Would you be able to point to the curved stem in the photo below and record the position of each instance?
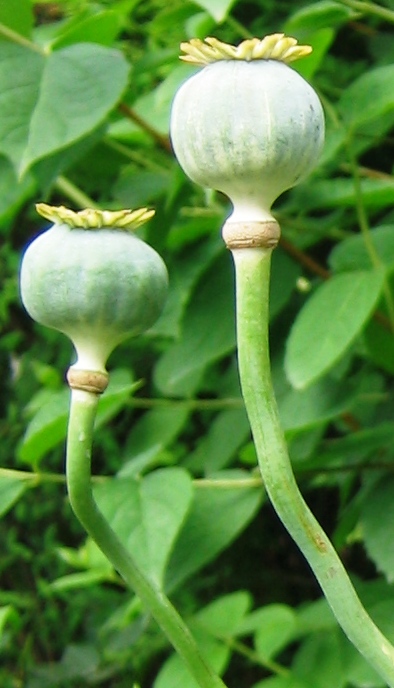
(79, 445)
(17, 38)
(252, 268)
(74, 193)
(161, 139)
(366, 233)
(369, 8)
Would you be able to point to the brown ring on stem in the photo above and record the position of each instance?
(93, 381)
(251, 234)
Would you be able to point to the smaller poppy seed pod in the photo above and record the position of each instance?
(90, 278)
(247, 124)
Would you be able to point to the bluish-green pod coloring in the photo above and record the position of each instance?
(97, 286)
(250, 128)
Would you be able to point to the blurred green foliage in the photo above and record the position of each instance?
(85, 96)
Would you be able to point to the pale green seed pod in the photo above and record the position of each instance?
(247, 124)
(91, 279)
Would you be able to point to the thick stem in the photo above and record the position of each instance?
(79, 445)
(252, 268)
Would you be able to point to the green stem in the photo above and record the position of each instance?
(366, 233)
(254, 657)
(74, 193)
(79, 445)
(17, 38)
(252, 268)
(369, 8)
(161, 139)
(138, 157)
(239, 28)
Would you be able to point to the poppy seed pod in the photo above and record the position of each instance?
(247, 124)
(91, 279)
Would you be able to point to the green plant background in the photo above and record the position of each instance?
(85, 95)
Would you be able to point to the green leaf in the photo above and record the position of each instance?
(154, 107)
(329, 322)
(216, 518)
(10, 491)
(121, 386)
(47, 169)
(17, 15)
(227, 432)
(378, 335)
(5, 614)
(136, 188)
(20, 74)
(150, 436)
(225, 616)
(200, 25)
(308, 408)
(87, 556)
(47, 428)
(352, 253)
(66, 94)
(208, 332)
(147, 515)
(13, 193)
(83, 579)
(315, 616)
(341, 192)
(273, 628)
(101, 28)
(320, 42)
(79, 661)
(319, 663)
(218, 9)
(369, 97)
(318, 15)
(282, 682)
(357, 447)
(185, 272)
(379, 344)
(377, 518)
(277, 624)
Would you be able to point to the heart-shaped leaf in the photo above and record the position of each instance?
(49, 101)
(329, 322)
(147, 515)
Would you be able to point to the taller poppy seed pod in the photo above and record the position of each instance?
(247, 124)
(90, 278)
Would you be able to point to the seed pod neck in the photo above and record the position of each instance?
(93, 381)
(242, 235)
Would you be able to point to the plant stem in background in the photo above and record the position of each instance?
(366, 233)
(79, 447)
(369, 8)
(252, 267)
(73, 193)
(17, 38)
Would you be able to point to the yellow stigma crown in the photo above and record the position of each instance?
(92, 218)
(276, 46)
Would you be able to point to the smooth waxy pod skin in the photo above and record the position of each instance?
(96, 285)
(248, 126)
